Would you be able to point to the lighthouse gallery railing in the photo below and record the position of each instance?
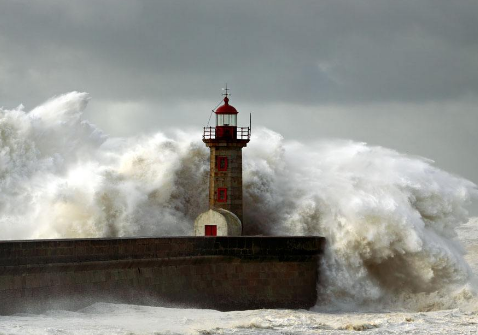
(243, 133)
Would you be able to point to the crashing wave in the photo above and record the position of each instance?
(390, 219)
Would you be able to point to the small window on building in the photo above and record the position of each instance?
(222, 163)
(221, 194)
(210, 230)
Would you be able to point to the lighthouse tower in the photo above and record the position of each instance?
(225, 142)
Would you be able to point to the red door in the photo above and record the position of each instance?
(211, 230)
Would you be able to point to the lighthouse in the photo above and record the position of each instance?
(225, 141)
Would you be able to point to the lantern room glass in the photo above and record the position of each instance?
(226, 120)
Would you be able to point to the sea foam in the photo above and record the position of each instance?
(390, 219)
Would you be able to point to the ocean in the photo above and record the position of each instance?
(402, 252)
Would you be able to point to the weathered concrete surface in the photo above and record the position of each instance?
(224, 273)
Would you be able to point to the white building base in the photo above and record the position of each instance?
(226, 223)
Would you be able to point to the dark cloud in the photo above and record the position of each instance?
(309, 51)
(365, 69)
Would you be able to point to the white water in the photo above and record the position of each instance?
(390, 220)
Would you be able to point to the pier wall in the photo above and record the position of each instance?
(225, 273)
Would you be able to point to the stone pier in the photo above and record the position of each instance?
(224, 273)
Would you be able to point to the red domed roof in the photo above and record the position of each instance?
(226, 108)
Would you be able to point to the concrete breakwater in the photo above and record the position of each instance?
(225, 273)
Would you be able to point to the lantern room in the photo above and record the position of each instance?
(226, 124)
(226, 121)
(226, 115)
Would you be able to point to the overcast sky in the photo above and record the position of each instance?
(400, 74)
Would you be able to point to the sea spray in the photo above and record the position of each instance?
(62, 177)
(389, 219)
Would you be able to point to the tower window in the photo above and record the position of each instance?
(221, 194)
(222, 163)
